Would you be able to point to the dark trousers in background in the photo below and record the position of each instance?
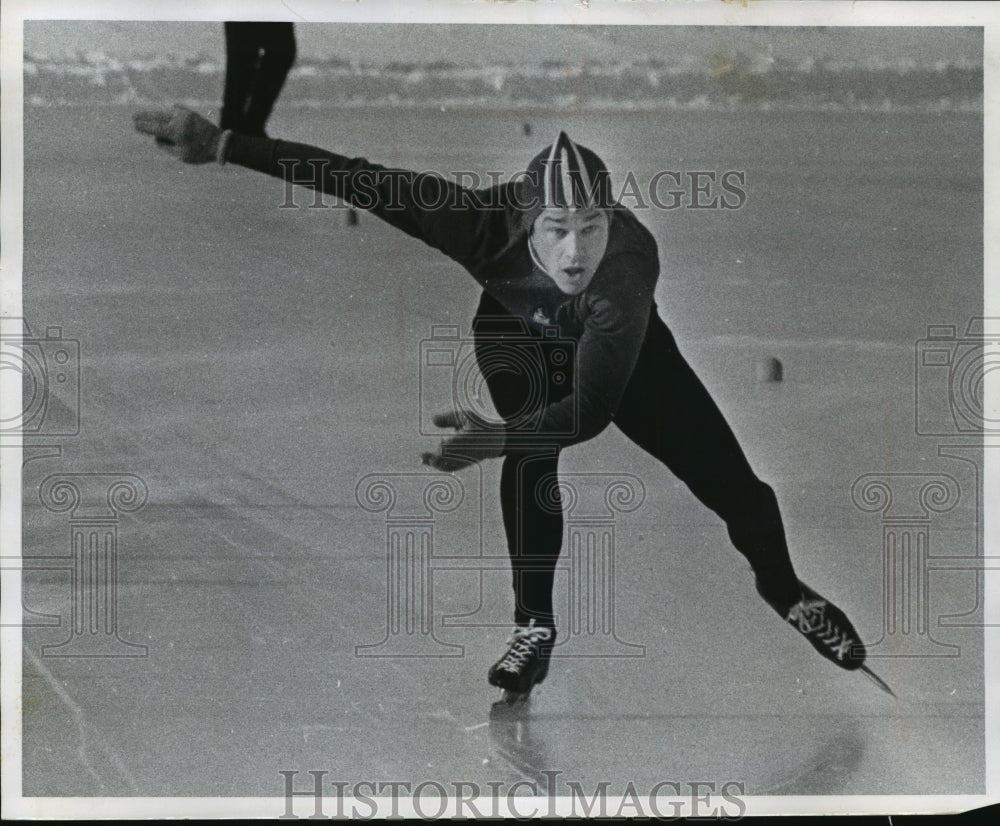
(258, 59)
(667, 411)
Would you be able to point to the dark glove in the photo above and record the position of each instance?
(183, 133)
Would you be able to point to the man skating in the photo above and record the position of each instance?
(552, 250)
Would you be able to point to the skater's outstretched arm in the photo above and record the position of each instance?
(613, 312)
(449, 218)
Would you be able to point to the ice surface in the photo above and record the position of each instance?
(251, 364)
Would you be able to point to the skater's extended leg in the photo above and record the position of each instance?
(668, 412)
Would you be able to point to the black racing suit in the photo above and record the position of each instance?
(626, 367)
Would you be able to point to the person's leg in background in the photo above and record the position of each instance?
(277, 40)
(258, 59)
(241, 65)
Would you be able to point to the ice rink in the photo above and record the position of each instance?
(256, 368)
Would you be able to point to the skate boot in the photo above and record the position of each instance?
(828, 629)
(526, 662)
(830, 632)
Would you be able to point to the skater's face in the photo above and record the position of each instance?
(569, 244)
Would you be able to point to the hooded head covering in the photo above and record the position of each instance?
(564, 175)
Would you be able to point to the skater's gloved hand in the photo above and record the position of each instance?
(183, 133)
(475, 440)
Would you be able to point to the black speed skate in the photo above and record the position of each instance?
(830, 632)
(526, 662)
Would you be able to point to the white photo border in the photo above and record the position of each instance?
(595, 12)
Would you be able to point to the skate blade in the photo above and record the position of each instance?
(513, 698)
(502, 712)
(871, 675)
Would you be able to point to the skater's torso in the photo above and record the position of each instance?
(483, 231)
(508, 272)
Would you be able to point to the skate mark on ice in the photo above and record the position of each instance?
(829, 771)
(91, 740)
(510, 734)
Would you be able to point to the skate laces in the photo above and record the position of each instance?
(809, 615)
(523, 643)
